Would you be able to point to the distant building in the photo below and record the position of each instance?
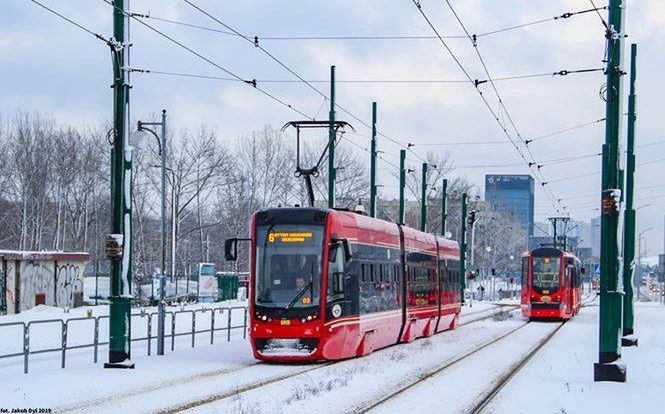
(595, 237)
(513, 197)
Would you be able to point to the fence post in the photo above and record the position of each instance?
(212, 326)
(96, 338)
(65, 326)
(96, 282)
(26, 346)
(173, 331)
(244, 325)
(193, 327)
(149, 331)
(228, 327)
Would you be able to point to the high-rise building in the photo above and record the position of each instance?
(595, 237)
(512, 196)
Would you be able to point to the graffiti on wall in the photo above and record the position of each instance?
(69, 283)
(36, 278)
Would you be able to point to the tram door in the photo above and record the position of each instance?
(568, 291)
(525, 279)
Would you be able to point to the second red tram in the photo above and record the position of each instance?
(331, 284)
(551, 284)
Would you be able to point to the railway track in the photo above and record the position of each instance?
(224, 377)
(224, 395)
(507, 375)
(480, 403)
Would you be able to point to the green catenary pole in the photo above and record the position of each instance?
(372, 166)
(629, 213)
(444, 209)
(423, 199)
(331, 142)
(608, 368)
(121, 164)
(402, 185)
(462, 253)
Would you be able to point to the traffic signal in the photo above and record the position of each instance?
(471, 218)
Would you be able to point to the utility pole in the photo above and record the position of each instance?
(609, 367)
(423, 200)
(402, 185)
(629, 213)
(372, 166)
(331, 142)
(119, 243)
(444, 209)
(161, 142)
(174, 227)
(462, 260)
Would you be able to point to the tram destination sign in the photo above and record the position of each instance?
(290, 237)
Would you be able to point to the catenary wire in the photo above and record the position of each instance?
(72, 22)
(206, 59)
(294, 73)
(369, 37)
(471, 80)
(356, 81)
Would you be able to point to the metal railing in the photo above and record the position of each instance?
(64, 326)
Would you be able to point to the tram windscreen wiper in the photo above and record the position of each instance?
(300, 294)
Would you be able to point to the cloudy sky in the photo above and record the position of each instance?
(51, 66)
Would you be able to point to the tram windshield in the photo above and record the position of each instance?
(288, 265)
(546, 274)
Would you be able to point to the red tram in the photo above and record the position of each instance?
(333, 284)
(551, 284)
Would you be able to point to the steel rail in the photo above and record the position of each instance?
(363, 408)
(262, 383)
(512, 370)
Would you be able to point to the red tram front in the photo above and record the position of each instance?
(551, 284)
(332, 284)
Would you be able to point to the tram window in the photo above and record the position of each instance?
(362, 272)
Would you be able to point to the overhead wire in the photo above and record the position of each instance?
(484, 99)
(294, 73)
(370, 37)
(602, 19)
(474, 42)
(641, 164)
(208, 60)
(355, 81)
(72, 22)
(564, 130)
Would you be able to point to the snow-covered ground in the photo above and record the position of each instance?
(225, 378)
(46, 331)
(559, 379)
(190, 374)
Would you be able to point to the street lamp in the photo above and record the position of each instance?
(137, 139)
(639, 254)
